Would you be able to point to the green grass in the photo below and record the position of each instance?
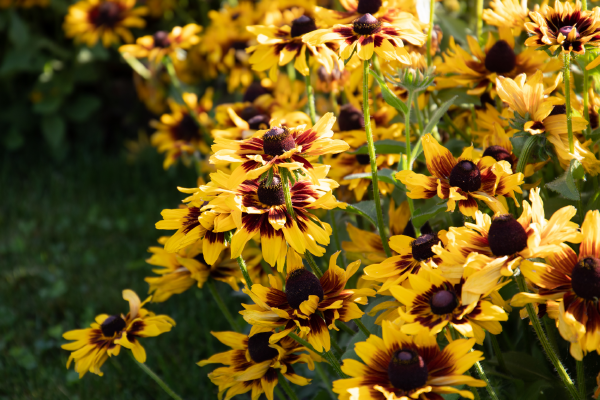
(72, 237)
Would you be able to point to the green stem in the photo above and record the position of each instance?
(327, 355)
(430, 32)
(215, 293)
(286, 387)
(548, 349)
(242, 265)
(406, 162)
(418, 113)
(344, 327)
(313, 264)
(310, 92)
(498, 352)
(326, 381)
(373, 159)
(484, 378)
(479, 27)
(362, 327)
(567, 74)
(157, 379)
(523, 159)
(581, 378)
(279, 393)
(586, 101)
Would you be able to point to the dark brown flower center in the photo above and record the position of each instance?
(368, 6)
(421, 247)
(200, 258)
(107, 13)
(498, 153)
(366, 25)
(466, 176)
(443, 302)
(259, 122)
(585, 278)
(112, 325)
(277, 141)
(350, 119)
(363, 159)
(506, 236)
(161, 39)
(186, 129)
(501, 58)
(566, 30)
(407, 370)
(258, 347)
(271, 195)
(299, 285)
(249, 112)
(254, 91)
(594, 120)
(558, 110)
(302, 25)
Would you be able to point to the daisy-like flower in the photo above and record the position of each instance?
(433, 302)
(89, 21)
(479, 68)
(507, 13)
(402, 367)
(281, 147)
(461, 179)
(389, 11)
(565, 25)
(367, 34)
(253, 363)
(574, 281)
(295, 309)
(92, 346)
(278, 46)
(155, 47)
(178, 133)
(526, 97)
(491, 248)
(413, 255)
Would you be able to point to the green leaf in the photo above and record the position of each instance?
(54, 129)
(526, 367)
(82, 107)
(18, 32)
(386, 146)
(565, 184)
(388, 95)
(419, 218)
(437, 115)
(385, 175)
(365, 209)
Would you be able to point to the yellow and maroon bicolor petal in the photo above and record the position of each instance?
(590, 246)
(419, 186)
(438, 158)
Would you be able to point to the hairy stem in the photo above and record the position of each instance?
(483, 376)
(581, 378)
(157, 379)
(326, 381)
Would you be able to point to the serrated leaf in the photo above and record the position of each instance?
(385, 175)
(365, 209)
(437, 115)
(388, 95)
(419, 218)
(565, 184)
(386, 146)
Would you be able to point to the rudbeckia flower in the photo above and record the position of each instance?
(389, 11)
(278, 46)
(574, 282)
(155, 47)
(433, 302)
(178, 133)
(295, 309)
(281, 147)
(461, 179)
(89, 21)
(507, 13)
(566, 25)
(92, 346)
(491, 248)
(367, 34)
(253, 363)
(402, 367)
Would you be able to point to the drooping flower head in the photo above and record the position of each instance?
(253, 363)
(92, 346)
(155, 47)
(89, 21)
(402, 367)
(461, 180)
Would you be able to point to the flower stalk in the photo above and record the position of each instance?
(286, 387)
(567, 74)
(222, 306)
(156, 379)
(242, 265)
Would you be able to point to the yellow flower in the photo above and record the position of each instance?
(402, 367)
(507, 13)
(389, 11)
(295, 309)
(108, 20)
(461, 179)
(155, 47)
(367, 34)
(253, 363)
(574, 282)
(92, 346)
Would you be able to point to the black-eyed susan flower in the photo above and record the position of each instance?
(92, 346)
(89, 21)
(402, 367)
(413, 255)
(254, 362)
(178, 133)
(574, 282)
(162, 43)
(295, 309)
(282, 147)
(278, 46)
(366, 35)
(494, 247)
(461, 180)
(433, 302)
(566, 25)
(392, 12)
(508, 14)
